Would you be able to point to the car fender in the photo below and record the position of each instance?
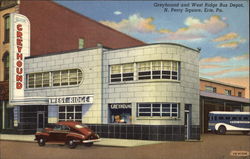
(42, 134)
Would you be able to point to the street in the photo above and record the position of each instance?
(210, 147)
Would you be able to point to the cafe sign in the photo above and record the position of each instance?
(81, 99)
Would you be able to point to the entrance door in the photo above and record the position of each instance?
(187, 121)
(40, 120)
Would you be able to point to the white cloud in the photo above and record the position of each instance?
(117, 12)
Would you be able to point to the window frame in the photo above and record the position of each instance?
(66, 112)
(50, 79)
(6, 63)
(228, 92)
(161, 112)
(210, 89)
(120, 76)
(6, 28)
(147, 70)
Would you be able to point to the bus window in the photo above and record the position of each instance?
(245, 118)
(234, 118)
(215, 118)
(227, 118)
(221, 118)
(239, 118)
(211, 117)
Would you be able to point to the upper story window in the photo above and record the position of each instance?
(210, 89)
(6, 28)
(228, 92)
(123, 72)
(54, 78)
(6, 66)
(81, 43)
(239, 94)
(145, 71)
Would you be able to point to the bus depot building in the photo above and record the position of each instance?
(148, 92)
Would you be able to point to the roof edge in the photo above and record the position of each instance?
(222, 83)
(151, 44)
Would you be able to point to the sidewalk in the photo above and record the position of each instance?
(103, 142)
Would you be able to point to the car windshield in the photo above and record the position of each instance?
(81, 126)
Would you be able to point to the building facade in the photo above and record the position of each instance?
(146, 92)
(219, 96)
(54, 28)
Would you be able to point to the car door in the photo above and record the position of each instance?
(63, 134)
(54, 135)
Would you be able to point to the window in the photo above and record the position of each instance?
(6, 66)
(6, 28)
(31, 80)
(55, 78)
(228, 92)
(234, 118)
(158, 110)
(156, 69)
(221, 118)
(81, 43)
(239, 94)
(46, 79)
(210, 89)
(145, 71)
(38, 81)
(245, 118)
(70, 113)
(116, 73)
(128, 72)
(227, 118)
(123, 72)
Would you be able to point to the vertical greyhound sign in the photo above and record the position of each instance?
(19, 49)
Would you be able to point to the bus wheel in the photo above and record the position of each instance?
(222, 130)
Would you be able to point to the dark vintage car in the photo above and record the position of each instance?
(67, 132)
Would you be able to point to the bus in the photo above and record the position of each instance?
(223, 121)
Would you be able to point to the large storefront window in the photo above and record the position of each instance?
(120, 113)
(70, 113)
(158, 110)
(55, 78)
(145, 71)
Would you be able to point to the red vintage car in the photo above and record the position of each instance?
(67, 132)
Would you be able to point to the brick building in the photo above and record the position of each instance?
(219, 96)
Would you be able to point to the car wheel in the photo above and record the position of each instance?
(41, 142)
(222, 130)
(88, 144)
(72, 144)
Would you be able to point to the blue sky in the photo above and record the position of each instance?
(222, 36)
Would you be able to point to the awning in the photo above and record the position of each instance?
(225, 97)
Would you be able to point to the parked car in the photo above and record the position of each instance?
(67, 132)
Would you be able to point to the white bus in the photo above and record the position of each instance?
(222, 121)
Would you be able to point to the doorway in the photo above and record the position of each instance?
(40, 120)
(188, 121)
